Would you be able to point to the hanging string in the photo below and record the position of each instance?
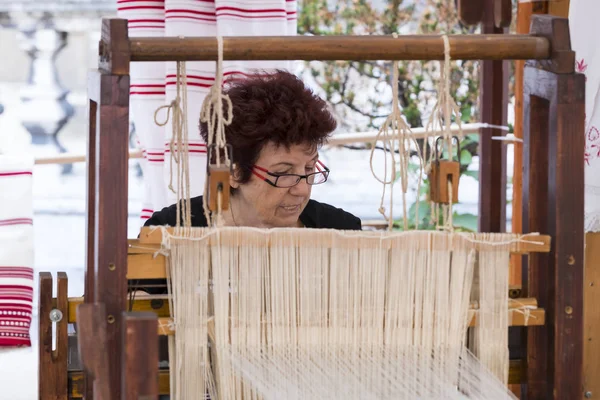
(216, 118)
(179, 146)
(395, 133)
(440, 120)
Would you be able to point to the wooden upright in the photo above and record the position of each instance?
(106, 273)
(553, 126)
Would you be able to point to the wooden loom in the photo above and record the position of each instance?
(118, 338)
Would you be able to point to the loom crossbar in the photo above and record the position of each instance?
(532, 243)
(358, 48)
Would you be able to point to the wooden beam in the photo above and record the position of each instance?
(532, 243)
(159, 305)
(524, 12)
(532, 317)
(90, 226)
(516, 317)
(107, 208)
(343, 47)
(146, 266)
(140, 356)
(493, 102)
(553, 122)
(92, 340)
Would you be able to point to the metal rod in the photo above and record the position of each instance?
(355, 48)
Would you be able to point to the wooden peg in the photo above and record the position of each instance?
(470, 12)
(556, 30)
(502, 13)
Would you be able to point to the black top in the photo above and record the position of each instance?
(315, 215)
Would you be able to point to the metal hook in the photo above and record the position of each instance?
(457, 147)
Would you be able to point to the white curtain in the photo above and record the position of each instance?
(154, 85)
(582, 20)
(16, 249)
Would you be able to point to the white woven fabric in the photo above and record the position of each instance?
(154, 84)
(582, 19)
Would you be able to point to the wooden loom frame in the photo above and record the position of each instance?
(126, 367)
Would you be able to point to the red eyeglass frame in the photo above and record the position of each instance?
(322, 168)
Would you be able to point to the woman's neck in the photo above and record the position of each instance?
(242, 214)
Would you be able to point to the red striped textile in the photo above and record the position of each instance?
(16, 251)
(154, 85)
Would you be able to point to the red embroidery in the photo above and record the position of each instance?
(592, 145)
(581, 66)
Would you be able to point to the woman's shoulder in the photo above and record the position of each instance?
(168, 215)
(326, 216)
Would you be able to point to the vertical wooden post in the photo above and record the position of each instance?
(553, 131)
(140, 356)
(91, 199)
(92, 341)
(518, 335)
(492, 164)
(524, 13)
(89, 283)
(107, 206)
(535, 211)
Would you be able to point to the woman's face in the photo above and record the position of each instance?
(259, 204)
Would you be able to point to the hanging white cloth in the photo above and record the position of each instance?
(582, 17)
(16, 249)
(153, 84)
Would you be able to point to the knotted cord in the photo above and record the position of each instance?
(216, 112)
(395, 132)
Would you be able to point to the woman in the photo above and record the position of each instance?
(278, 125)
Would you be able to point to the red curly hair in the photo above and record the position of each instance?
(272, 107)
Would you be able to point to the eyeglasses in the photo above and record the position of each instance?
(290, 180)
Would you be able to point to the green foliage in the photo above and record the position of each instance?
(360, 91)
